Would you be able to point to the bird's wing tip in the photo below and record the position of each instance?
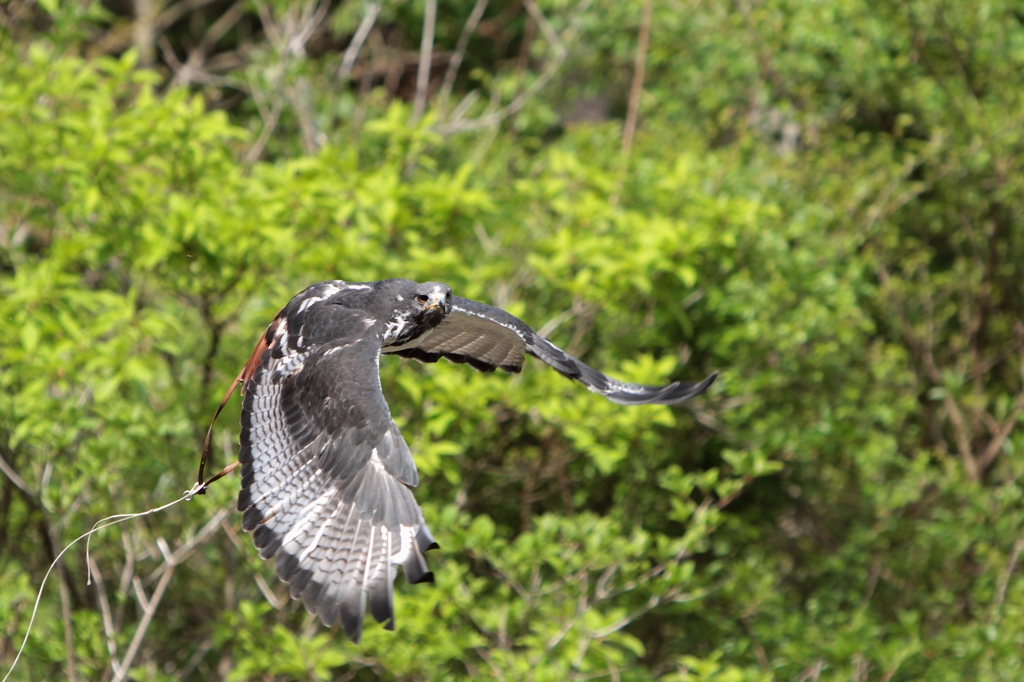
(685, 391)
(672, 394)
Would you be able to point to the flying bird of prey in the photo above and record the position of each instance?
(326, 474)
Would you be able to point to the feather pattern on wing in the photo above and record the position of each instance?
(489, 338)
(326, 474)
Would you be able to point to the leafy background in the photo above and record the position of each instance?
(821, 199)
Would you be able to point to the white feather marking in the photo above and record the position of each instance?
(369, 557)
(415, 343)
(320, 533)
(281, 336)
(348, 519)
(375, 461)
(389, 565)
(291, 495)
(343, 346)
(288, 365)
(307, 516)
(355, 534)
(270, 513)
(511, 328)
(396, 326)
(325, 291)
(304, 306)
(405, 534)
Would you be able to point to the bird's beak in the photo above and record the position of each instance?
(437, 300)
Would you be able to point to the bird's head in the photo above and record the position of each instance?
(432, 298)
(418, 308)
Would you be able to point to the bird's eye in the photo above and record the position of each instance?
(422, 298)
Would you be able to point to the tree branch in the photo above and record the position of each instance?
(637, 86)
(1004, 581)
(17, 480)
(348, 61)
(423, 69)
(552, 67)
(149, 607)
(999, 437)
(109, 634)
(192, 69)
(475, 15)
(546, 28)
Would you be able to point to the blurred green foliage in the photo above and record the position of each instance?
(823, 200)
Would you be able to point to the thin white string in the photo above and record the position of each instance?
(98, 526)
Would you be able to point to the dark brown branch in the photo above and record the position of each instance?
(1003, 431)
(637, 86)
(193, 67)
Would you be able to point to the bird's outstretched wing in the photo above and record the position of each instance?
(489, 338)
(326, 475)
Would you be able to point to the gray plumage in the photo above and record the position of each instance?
(326, 474)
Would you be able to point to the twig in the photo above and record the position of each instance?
(860, 667)
(813, 672)
(873, 576)
(348, 61)
(494, 118)
(46, 529)
(426, 52)
(289, 39)
(923, 349)
(272, 598)
(65, 613)
(484, 654)
(999, 437)
(177, 11)
(15, 478)
(269, 124)
(562, 632)
(475, 15)
(1004, 581)
(545, 26)
(267, 20)
(140, 592)
(196, 659)
(128, 570)
(658, 569)
(302, 102)
(633, 108)
(759, 652)
(109, 633)
(192, 69)
(636, 88)
(581, 651)
(469, 100)
(147, 618)
(182, 553)
(312, 16)
(653, 602)
(601, 588)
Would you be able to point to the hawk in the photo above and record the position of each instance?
(326, 476)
